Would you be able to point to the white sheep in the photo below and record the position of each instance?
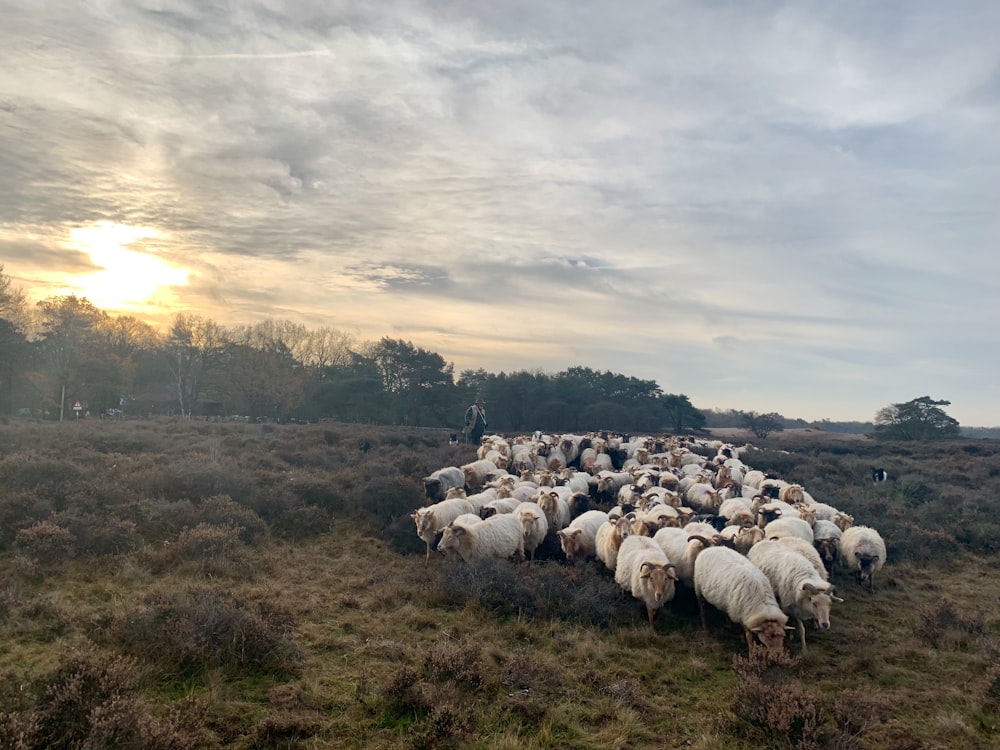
(477, 473)
(609, 538)
(431, 519)
(644, 569)
(579, 539)
(732, 584)
(682, 549)
(500, 505)
(741, 538)
(704, 498)
(499, 537)
(737, 511)
(789, 527)
(534, 524)
(436, 485)
(862, 550)
(556, 509)
(808, 551)
(826, 539)
(802, 593)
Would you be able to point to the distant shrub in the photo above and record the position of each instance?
(401, 536)
(458, 662)
(99, 535)
(779, 708)
(159, 520)
(45, 543)
(204, 628)
(217, 550)
(222, 510)
(543, 591)
(943, 626)
(302, 523)
(88, 702)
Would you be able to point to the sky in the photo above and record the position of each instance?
(775, 207)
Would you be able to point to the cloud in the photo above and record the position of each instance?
(675, 189)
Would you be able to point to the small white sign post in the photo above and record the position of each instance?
(77, 407)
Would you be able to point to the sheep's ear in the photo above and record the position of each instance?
(671, 572)
(645, 569)
(809, 588)
(457, 530)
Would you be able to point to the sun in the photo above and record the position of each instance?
(128, 279)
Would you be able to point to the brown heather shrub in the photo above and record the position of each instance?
(88, 702)
(18, 509)
(160, 520)
(217, 550)
(446, 726)
(852, 713)
(782, 711)
(457, 662)
(188, 632)
(45, 543)
(301, 523)
(942, 626)
(544, 590)
(222, 510)
(528, 670)
(34, 470)
(99, 534)
(403, 695)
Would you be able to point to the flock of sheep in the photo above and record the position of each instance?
(755, 547)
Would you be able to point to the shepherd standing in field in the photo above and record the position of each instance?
(475, 421)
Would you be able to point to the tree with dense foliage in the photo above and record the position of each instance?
(919, 419)
(681, 415)
(13, 340)
(69, 341)
(419, 381)
(192, 350)
(761, 425)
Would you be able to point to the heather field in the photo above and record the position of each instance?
(192, 584)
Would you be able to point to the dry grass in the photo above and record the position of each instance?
(246, 588)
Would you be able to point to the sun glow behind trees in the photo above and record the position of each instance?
(128, 278)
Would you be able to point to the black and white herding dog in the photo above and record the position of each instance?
(881, 475)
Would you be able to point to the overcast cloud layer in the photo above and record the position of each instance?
(771, 207)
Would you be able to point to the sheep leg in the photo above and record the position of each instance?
(802, 634)
(701, 611)
(651, 612)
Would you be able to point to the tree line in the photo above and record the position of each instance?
(65, 350)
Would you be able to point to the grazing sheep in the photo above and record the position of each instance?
(609, 538)
(644, 569)
(477, 473)
(737, 511)
(579, 539)
(826, 539)
(801, 591)
(500, 505)
(741, 538)
(436, 485)
(703, 498)
(431, 519)
(556, 510)
(732, 584)
(497, 537)
(682, 549)
(789, 527)
(863, 551)
(535, 526)
(808, 551)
